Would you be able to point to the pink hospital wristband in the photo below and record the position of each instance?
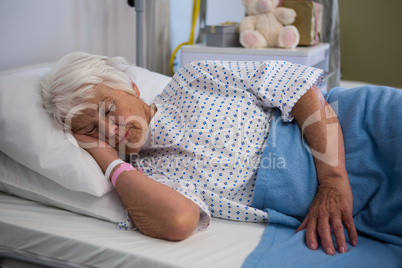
(123, 167)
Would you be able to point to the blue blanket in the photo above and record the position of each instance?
(371, 121)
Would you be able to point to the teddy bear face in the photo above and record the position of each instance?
(255, 7)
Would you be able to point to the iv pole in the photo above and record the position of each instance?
(139, 6)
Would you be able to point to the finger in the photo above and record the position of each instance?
(351, 229)
(339, 233)
(324, 231)
(303, 225)
(311, 233)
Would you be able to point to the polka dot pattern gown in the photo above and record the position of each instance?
(207, 137)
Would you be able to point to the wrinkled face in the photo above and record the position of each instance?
(119, 118)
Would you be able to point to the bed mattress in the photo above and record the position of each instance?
(44, 234)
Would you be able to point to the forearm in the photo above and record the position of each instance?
(332, 207)
(322, 131)
(156, 209)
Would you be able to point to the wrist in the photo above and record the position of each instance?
(333, 175)
(112, 168)
(104, 158)
(121, 167)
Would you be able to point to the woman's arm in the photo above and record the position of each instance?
(156, 209)
(332, 206)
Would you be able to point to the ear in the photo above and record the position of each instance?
(135, 88)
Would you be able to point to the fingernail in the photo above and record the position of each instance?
(342, 250)
(330, 251)
(354, 243)
(312, 246)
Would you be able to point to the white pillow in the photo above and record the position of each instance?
(31, 137)
(24, 182)
(149, 83)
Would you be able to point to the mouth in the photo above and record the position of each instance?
(124, 137)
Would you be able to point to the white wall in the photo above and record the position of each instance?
(33, 31)
(219, 11)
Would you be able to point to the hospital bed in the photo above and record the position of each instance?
(43, 234)
(46, 222)
(50, 237)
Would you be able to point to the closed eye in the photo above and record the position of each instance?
(111, 108)
(91, 132)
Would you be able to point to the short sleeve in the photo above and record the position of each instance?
(189, 191)
(280, 84)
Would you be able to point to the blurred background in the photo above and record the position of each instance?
(371, 41)
(370, 32)
(370, 35)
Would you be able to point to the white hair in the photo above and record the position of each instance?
(72, 80)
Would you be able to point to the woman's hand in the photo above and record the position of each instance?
(100, 150)
(89, 143)
(156, 209)
(332, 208)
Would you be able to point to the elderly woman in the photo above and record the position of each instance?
(199, 145)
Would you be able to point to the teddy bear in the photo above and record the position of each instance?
(267, 25)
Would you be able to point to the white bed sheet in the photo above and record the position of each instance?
(33, 228)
